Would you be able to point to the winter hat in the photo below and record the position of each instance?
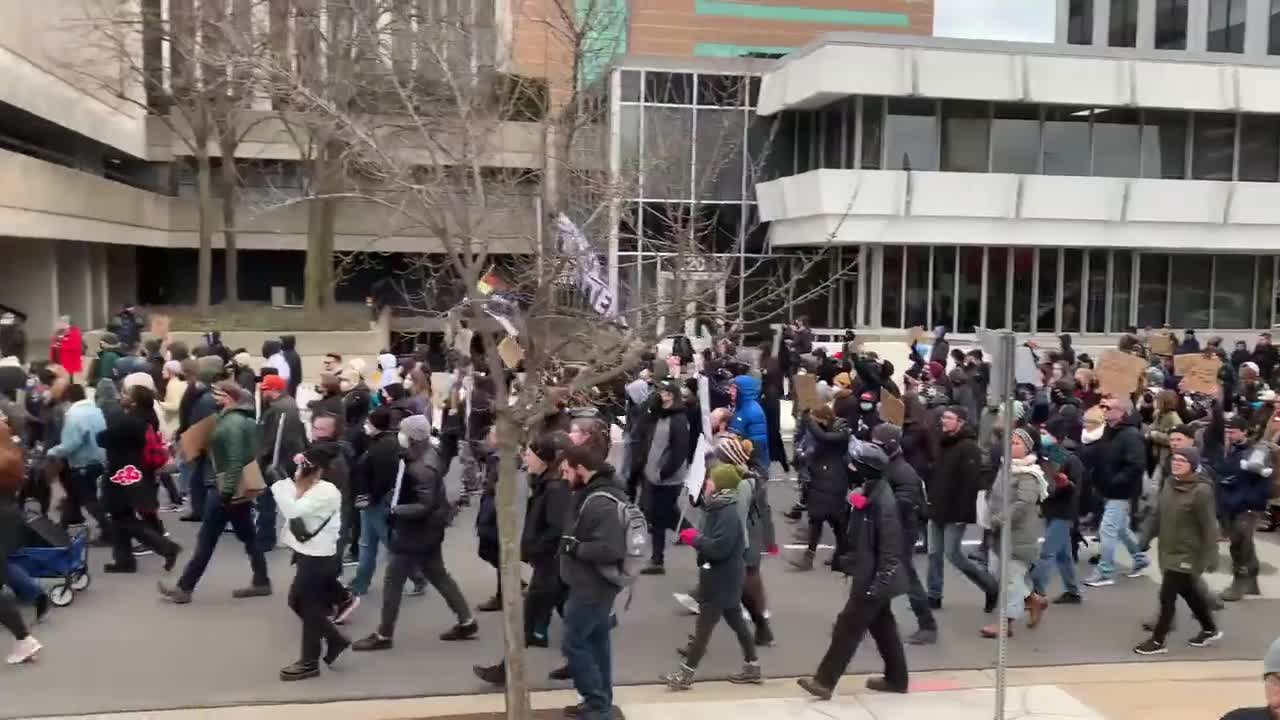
(1251, 366)
(1271, 661)
(174, 367)
(109, 341)
(889, 437)
(243, 359)
(417, 428)
(139, 378)
(1184, 430)
(322, 453)
(725, 477)
(209, 369)
(959, 411)
(548, 446)
(936, 371)
(274, 383)
(734, 450)
(1191, 455)
(843, 380)
(867, 397)
(1237, 422)
(1025, 437)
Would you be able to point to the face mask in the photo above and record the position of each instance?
(370, 430)
(1090, 436)
(404, 440)
(866, 407)
(1048, 440)
(408, 384)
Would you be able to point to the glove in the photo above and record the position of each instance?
(857, 500)
(688, 536)
(569, 545)
(1062, 480)
(772, 550)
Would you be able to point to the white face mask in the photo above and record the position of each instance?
(370, 430)
(1088, 436)
(404, 440)
(408, 384)
(866, 407)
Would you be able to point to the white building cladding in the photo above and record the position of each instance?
(1047, 188)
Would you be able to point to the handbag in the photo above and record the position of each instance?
(299, 530)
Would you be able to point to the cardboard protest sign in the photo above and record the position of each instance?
(510, 352)
(1199, 372)
(160, 326)
(916, 334)
(892, 409)
(697, 474)
(806, 390)
(1119, 373)
(196, 439)
(1163, 344)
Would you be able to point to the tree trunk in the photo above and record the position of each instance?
(517, 690)
(230, 195)
(322, 210)
(204, 271)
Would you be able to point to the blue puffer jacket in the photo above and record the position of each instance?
(748, 419)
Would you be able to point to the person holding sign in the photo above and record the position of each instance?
(661, 459)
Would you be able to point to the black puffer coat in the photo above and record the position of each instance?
(828, 476)
(956, 479)
(873, 538)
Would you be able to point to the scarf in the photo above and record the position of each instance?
(1030, 465)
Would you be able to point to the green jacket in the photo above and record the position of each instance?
(1187, 526)
(235, 444)
(105, 368)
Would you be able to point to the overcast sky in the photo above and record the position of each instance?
(1025, 20)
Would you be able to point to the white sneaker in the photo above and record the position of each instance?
(24, 650)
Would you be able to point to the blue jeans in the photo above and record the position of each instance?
(1115, 528)
(191, 475)
(373, 532)
(588, 652)
(23, 586)
(265, 524)
(1016, 581)
(217, 513)
(946, 540)
(1055, 551)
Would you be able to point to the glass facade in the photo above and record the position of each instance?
(1080, 22)
(1171, 24)
(1122, 29)
(1226, 25)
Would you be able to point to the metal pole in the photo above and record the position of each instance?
(1008, 349)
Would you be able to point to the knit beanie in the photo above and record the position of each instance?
(1025, 437)
(139, 378)
(1191, 455)
(417, 428)
(725, 477)
(888, 436)
(173, 367)
(734, 450)
(1271, 661)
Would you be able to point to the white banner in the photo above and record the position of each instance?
(588, 269)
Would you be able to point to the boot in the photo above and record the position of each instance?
(804, 563)
(681, 679)
(1236, 592)
(795, 513)
(493, 604)
(750, 675)
(1251, 585)
(993, 630)
(764, 634)
(1036, 605)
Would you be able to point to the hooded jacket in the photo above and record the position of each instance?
(956, 478)
(663, 446)
(388, 363)
(874, 556)
(721, 546)
(1239, 488)
(67, 349)
(828, 478)
(79, 442)
(288, 347)
(908, 489)
(597, 528)
(549, 500)
(1186, 525)
(1122, 461)
(234, 445)
(375, 473)
(420, 515)
(129, 486)
(749, 419)
(293, 434)
(1063, 502)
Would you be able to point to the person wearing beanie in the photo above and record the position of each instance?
(756, 515)
(312, 506)
(1187, 527)
(1270, 689)
(1061, 509)
(419, 513)
(1244, 478)
(544, 526)
(232, 447)
(721, 546)
(1025, 487)
(281, 435)
(174, 389)
(273, 354)
(372, 481)
(908, 491)
(241, 370)
(197, 404)
(104, 367)
(953, 489)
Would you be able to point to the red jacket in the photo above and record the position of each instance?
(67, 349)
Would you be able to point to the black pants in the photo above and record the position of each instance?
(130, 527)
(10, 615)
(81, 485)
(314, 592)
(431, 563)
(859, 616)
(170, 487)
(815, 532)
(546, 593)
(1172, 586)
(916, 595)
(707, 621)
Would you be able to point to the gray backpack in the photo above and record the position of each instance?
(635, 538)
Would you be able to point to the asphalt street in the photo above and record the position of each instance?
(119, 647)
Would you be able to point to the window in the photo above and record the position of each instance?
(911, 135)
(806, 153)
(1190, 277)
(1080, 22)
(1072, 306)
(1226, 26)
(1122, 29)
(1066, 140)
(1273, 29)
(966, 135)
(917, 287)
(833, 123)
(718, 158)
(1213, 146)
(630, 86)
(1121, 287)
(944, 287)
(872, 133)
(891, 298)
(722, 90)
(1232, 292)
(1015, 141)
(969, 301)
(1164, 144)
(771, 148)
(1265, 292)
(667, 152)
(668, 88)
(1024, 265)
(1116, 144)
(1171, 24)
(1153, 289)
(1047, 296)
(1259, 148)
(1096, 313)
(997, 287)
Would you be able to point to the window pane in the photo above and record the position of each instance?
(1164, 144)
(667, 152)
(872, 133)
(718, 173)
(1121, 283)
(891, 301)
(1266, 290)
(917, 287)
(1115, 142)
(1213, 146)
(1073, 266)
(1273, 29)
(1024, 264)
(1171, 24)
(722, 90)
(669, 88)
(1096, 314)
(630, 85)
(1259, 148)
(966, 132)
(944, 286)
(1233, 292)
(997, 287)
(1226, 25)
(1066, 141)
(805, 128)
(1015, 140)
(912, 135)
(833, 136)
(1189, 303)
(771, 147)
(1047, 298)
(970, 300)
(1153, 284)
(1123, 30)
(1080, 22)
(630, 135)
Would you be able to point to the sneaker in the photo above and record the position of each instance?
(492, 674)
(1151, 646)
(814, 688)
(534, 640)
(119, 569)
(345, 607)
(1068, 598)
(139, 550)
(461, 631)
(1204, 638)
(561, 673)
(493, 604)
(681, 679)
(1098, 580)
(335, 651)
(1138, 569)
(174, 594)
(371, 643)
(190, 517)
(750, 675)
(252, 591)
(300, 671)
(24, 650)
(350, 561)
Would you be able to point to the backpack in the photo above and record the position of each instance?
(635, 538)
(154, 453)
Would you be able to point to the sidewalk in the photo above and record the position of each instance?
(1167, 690)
